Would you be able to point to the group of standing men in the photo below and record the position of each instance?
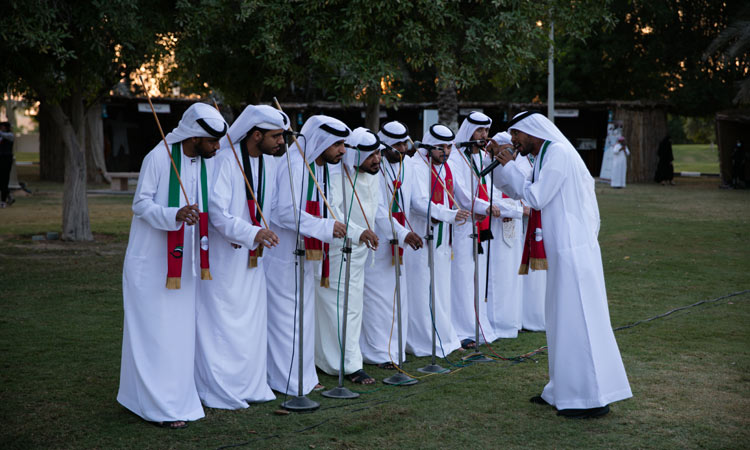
(228, 337)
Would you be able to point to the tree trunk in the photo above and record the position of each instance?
(448, 107)
(372, 113)
(96, 168)
(72, 126)
(643, 130)
(51, 153)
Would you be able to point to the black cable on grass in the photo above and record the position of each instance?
(510, 362)
(734, 294)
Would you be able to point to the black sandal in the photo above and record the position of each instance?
(387, 366)
(360, 377)
(172, 425)
(468, 344)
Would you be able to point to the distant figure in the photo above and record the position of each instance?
(664, 168)
(620, 153)
(738, 165)
(6, 163)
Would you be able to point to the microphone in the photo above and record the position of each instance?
(478, 142)
(287, 133)
(492, 165)
(420, 144)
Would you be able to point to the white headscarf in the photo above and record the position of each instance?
(319, 133)
(502, 138)
(190, 126)
(393, 132)
(365, 142)
(261, 116)
(537, 125)
(474, 120)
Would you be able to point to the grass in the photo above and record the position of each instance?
(696, 158)
(663, 247)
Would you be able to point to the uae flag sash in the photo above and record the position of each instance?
(397, 214)
(534, 256)
(176, 239)
(315, 250)
(260, 192)
(437, 198)
(483, 226)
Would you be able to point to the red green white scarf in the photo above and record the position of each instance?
(176, 239)
(437, 198)
(260, 192)
(534, 255)
(315, 250)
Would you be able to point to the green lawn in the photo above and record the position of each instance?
(61, 331)
(696, 158)
(27, 156)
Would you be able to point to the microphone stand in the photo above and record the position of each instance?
(399, 378)
(340, 391)
(300, 402)
(433, 367)
(476, 356)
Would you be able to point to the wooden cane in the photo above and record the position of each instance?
(393, 195)
(247, 183)
(309, 170)
(346, 171)
(164, 139)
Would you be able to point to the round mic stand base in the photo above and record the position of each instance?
(400, 379)
(476, 357)
(433, 368)
(300, 404)
(340, 392)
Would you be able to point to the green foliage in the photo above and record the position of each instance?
(700, 130)
(655, 52)
(55, 49)
(342, 50)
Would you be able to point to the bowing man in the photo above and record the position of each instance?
(158, 342)
(360, 168)
(231, 346)
(322, 142)
(585, 368)
(379, 341)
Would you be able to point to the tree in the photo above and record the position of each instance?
(68, 55)
(466, 43)
(654, 52)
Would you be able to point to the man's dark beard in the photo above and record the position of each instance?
(205, 152)
(392, 156)
(370, 171)
(330, 160)
(272, 151)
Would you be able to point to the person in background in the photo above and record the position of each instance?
(620, 154)
(6, 163)
(664, 168)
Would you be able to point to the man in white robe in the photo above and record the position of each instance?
(158, 344)
(322, 141)
(434, 183)
(379, 338)
(231, 328)
(360, 160)
(533, 284)
(505, 284)
(585, 367)
(470, 138)
(620, 153)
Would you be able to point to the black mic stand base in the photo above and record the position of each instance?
(300, 404)
(433, 368)
(340, 392)
(400, 379)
